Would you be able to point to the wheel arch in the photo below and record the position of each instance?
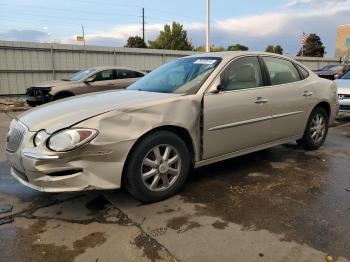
(62, 93)
(180, 131)
(326, 106)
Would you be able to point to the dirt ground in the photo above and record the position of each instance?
(280, 204)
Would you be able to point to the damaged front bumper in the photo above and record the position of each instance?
(95, 165)
(38, 95)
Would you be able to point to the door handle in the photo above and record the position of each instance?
(308, 93)
(261, 100)
(110, 84)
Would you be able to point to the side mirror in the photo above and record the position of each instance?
(217, 90)
(89, 80)
(216, 87)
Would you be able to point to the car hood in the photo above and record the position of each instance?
(325, 72)
(343, 86)
(52, 83)
(64, 113)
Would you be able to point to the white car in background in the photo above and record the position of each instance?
(343, 85)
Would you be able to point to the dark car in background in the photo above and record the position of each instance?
(332, 72)
(94, 79)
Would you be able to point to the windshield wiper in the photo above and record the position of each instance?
(66, 79)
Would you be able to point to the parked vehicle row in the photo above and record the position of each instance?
(90, 80)
(332, 72)
(343, 85)
(190, 112)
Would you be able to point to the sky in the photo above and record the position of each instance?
(254, 23)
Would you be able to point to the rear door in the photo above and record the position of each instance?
(237, 117)
(290, 98)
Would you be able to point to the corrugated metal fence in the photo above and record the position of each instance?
(23, 64)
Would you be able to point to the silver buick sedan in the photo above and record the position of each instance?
(190, 112)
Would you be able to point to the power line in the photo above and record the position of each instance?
(79, 11)
(102, 12)
(56, 17)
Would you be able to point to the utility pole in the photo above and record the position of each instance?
(207, 42)
(85, 60)
(143, 25)
(82, 28)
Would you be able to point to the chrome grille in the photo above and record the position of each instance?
(15, 136)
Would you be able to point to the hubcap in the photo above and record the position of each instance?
(318, 128)
(161, 167)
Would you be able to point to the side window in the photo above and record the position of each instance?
(103, 76)
(281, 71)
(305, 74)
(122, 74)
(242, 73)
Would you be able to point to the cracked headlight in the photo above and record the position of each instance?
(70, 139)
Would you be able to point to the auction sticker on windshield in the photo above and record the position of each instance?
(205, 61)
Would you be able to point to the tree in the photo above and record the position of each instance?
(200, 49)
(274, 49)
(172, 38)
(313, 47)
(135, 42)
(237, 47)
(217, 49)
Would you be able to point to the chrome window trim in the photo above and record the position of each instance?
(207, 91)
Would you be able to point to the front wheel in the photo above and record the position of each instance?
(316, 130)
(158, 167)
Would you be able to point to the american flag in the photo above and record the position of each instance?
(304, 38)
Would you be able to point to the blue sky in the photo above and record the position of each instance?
(109, 22)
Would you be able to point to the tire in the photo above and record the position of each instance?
(151, 176)
(316, 130)
(31, 103)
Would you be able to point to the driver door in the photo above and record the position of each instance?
(237, 117)
(101, 81)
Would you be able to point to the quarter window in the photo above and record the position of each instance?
(303, 71)
(242, 73)
(281, 71)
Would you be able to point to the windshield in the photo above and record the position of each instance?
(336, 68)
(346, 75)
(327, 67)
(81, 75)
(179, 76)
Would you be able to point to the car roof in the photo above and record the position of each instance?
(100, 68)
(232, 54)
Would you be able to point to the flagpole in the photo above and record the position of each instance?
(207, 39)
(302, 45)
(302, 50)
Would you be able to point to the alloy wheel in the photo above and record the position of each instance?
(161, 167)
(318, 128)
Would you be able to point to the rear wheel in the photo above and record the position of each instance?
(316, 130)
(158, 167)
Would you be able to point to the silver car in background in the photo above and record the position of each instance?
(190, 112)
(94, 79)
(343, 85)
